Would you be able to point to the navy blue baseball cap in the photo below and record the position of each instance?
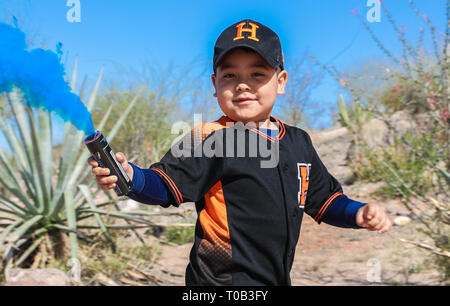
(250, 34)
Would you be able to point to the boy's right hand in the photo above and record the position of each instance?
(104, 179)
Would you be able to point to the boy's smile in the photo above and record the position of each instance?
(247, 86)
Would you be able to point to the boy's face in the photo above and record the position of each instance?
(247, 86)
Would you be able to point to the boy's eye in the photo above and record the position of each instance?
(228, 75)
(257, 74)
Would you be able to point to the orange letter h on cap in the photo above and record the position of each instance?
(252, 30)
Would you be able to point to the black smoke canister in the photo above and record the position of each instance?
(106, 158)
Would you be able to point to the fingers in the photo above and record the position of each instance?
(92, 162)
(96, 169)
(121, 157)
(377, 220)
(376, 223)
(369, 213)
(107, 180)
(364, 215)
(100, 171)
(360, 218)
(103, 177)
(374, 220)
(387, 226)
(108, 187)
(124, 162)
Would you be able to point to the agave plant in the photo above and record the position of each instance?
(47, 198)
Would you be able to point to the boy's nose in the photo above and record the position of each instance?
(242, 87)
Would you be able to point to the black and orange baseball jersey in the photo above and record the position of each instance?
(249, 216)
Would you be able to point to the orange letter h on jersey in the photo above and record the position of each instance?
(252, 30)
(303, 176)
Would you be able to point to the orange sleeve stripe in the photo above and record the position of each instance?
(171, 183)
(325, 206)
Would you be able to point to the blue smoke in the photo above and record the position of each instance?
(39, 74)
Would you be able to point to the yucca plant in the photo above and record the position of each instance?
(47, 198)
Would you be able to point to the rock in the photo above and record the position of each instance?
(36, 277)
(374, 133)
(405, 213)
(328, 135)
(401, 220)
(332, 147)
(402, 121)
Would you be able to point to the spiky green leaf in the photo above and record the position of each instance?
(87, 194)
(72, 222)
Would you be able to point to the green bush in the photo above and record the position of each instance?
(179, 235)
(146, 134)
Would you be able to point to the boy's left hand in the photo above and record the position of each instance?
(373, 217)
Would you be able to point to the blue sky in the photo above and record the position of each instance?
(128, 33)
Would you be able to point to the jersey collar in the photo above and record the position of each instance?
(279, 123)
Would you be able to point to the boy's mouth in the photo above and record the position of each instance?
(244, 100)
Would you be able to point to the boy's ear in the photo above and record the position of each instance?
(282, 80)
(213, 79)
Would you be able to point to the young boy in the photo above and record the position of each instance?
(249, 213)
